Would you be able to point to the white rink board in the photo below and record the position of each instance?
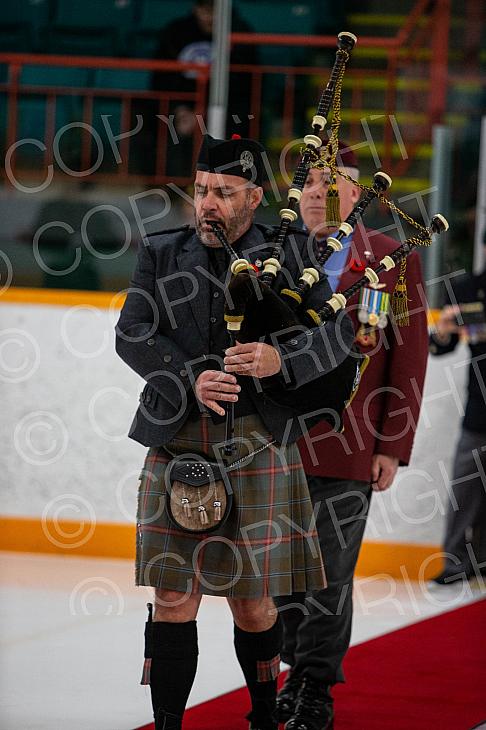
(68, 401)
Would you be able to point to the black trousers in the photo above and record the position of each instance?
(317, 627)
(466, 517)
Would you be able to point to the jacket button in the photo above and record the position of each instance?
(167, 358)
(183, 373)
(213, 320)
(151, 341)
(148, 398)
(293, 342)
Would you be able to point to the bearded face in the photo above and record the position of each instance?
(227, 200)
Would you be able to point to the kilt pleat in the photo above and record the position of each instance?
(267, 547)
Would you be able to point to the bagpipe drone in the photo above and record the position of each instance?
(257, 310)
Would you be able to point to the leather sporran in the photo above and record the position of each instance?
(199, 496)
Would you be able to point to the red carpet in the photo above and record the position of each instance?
(428, 676)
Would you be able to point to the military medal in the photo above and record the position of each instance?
(373, 307)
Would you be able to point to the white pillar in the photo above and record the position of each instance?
(479, 261)
(441, 179)
(218, 85)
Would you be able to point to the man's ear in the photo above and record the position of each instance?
(356, 194)
(256, 195)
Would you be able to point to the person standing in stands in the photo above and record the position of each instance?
(343, 469)
(464, 543)
(189, 39)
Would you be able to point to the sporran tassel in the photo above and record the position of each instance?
(203, 515)
(217, 511)
(400, 299)
(186, 507)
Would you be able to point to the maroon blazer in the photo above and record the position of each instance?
(382, 418)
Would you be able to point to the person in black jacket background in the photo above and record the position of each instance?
(464, 543)
(189, 39)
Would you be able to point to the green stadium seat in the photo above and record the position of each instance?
(55, 76)
(94, 14)
(91, 27)
(297, 18)
(293, 17)
(82, 42)
(112, 78)
(25, 11)
(32, 107)
(158, 13)
(122, 79)
(22, 23)
(15, 38)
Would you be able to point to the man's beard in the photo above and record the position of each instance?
(232, 228)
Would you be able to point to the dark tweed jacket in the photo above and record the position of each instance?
(163, 331)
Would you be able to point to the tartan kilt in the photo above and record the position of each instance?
(268, 546)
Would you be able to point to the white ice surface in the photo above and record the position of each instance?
(71, 633)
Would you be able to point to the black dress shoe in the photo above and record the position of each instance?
(287, 697)
(314, 708)
(265, 722)
(167, 721)
(453, 573)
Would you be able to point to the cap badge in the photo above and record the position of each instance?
(246, 160)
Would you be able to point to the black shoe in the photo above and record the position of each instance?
(263, 725)
(167, 721)
(287, 697)
(313, 709)
(454, 573)
(267, 721)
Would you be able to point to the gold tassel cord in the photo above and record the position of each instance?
(333, 204)
(394, 208)
(326, 158)
(400, 298)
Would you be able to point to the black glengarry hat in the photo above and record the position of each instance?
(236, 156)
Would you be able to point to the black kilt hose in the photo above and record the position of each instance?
(267, 547)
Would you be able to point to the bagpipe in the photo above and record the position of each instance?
(258, 308)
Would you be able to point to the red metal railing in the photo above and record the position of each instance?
(402, 51)
(15, 89)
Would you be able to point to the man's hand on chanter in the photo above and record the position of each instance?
(212, 386)
(253, 358)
